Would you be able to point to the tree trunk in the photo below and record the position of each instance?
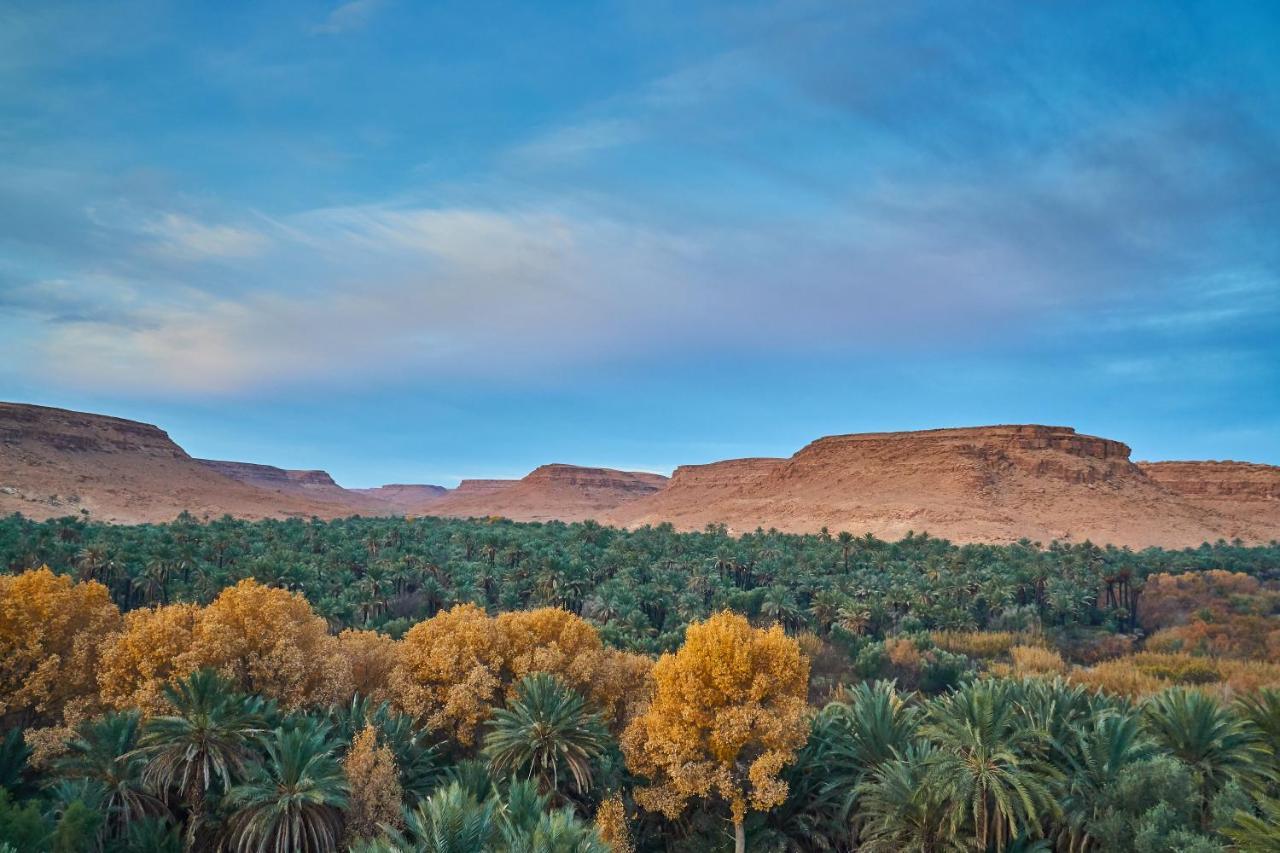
(739, 837)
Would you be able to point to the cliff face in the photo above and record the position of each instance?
(405, 497)
(562, 492)
(1242, 489)
(55, 462)
(270, 476)
(993, 484)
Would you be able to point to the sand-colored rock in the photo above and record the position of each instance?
(562, 492)
(310, 485)
(55, 462)
(1241, 489)
(405, 497)
(977, 484)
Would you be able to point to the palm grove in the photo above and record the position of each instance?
(441, 685)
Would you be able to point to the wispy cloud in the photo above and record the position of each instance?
(349, 16)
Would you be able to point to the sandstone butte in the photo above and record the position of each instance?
(976, 484)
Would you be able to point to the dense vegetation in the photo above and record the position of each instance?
(390, 684)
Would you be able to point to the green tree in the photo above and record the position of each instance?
(990, 762)
(205, 745)
(294, 799)
(104, 751)
(546, 733)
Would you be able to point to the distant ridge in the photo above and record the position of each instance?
(969, 484)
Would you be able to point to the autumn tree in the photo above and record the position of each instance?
(371, 774)
(152, 651)
(727, 715)
(455, 668)
(269, 641)
(448, 673)
(370, 657)
(51, 631)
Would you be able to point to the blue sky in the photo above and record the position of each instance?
(415, 242)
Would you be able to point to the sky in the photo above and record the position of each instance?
(420, 241)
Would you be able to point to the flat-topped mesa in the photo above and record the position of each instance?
(78, 432)
(579, 477)
(985, 453)
(469, 488)
(724, 474)
(1247, 481)
(404, 491)
(269, 475)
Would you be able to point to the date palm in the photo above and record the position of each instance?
(903, 810)
(293, 801)
(547, 734)
(103, 752)
(1103, 748)
(1217, 744)
(990, 762)
(206, 743)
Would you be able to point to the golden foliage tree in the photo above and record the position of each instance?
(51, 631)
(371, 772)
(453, 669)
(152, 651)
(370, 657)
(727, 715)
(269, 641)
(448, 672)
(611, 825)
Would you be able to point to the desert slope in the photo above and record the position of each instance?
(978, 484)
(561, 492)
(405, 497)
(1240, 489)
(308, 485)
(55, 462)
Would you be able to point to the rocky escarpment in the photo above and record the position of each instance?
(1242, 489)
(556, 491)
(270, 476)
(405, 497)
(996, 483)
(55, 462)
(26, 429)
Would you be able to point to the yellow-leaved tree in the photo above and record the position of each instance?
(727, 715)
(152, 651)
(371, 772)
(270, 641)
(453, 669)
(51, 632)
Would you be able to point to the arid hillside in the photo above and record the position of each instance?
(312, 485)
(405, 497)
(55, 462)
(563, 492)
(1240, 489)
(979, 484)
(976, 484)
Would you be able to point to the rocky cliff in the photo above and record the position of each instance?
(405, 497)
(993, 484)
(1240, 489)
(55, 462)
(557, 491)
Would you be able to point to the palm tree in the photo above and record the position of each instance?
(990, 762)
(102, 752)
(546, 731)
(1253, 834)
(1104, 747)
(902, 809)
(1214, 742)
(865, 727)
(451, 820)
(206, 742)
(294, 799)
